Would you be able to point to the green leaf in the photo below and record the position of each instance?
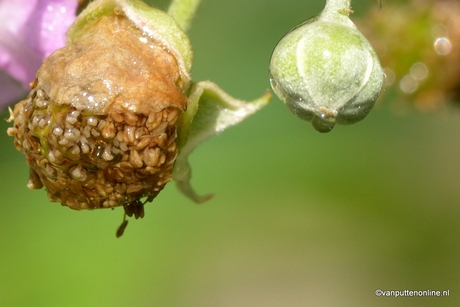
(210, 110)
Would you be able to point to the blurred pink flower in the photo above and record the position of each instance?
(30, 30)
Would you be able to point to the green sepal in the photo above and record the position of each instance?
(210, 110)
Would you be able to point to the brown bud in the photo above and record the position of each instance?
(99, 127)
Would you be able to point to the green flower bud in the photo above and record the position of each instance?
(326, 71)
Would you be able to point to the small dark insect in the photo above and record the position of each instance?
(121, 228)
(136, 208)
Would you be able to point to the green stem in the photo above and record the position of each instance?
(337, 5)
(337, 11)
(183, 12)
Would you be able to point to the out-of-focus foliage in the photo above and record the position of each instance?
(418, 43)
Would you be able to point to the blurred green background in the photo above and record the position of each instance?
(298, 218)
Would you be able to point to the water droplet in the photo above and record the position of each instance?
(389, 76)
(419, 71)
(408, 84)
(442, 45)
(322, 123)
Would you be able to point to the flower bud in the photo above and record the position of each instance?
(99, 127)
(326, 71)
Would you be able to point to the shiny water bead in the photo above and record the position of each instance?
(326, 71)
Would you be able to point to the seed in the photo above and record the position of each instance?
(86, 131)
(115, 150)
(39, 104)
(172, 147)
(83, 139)
(72, 134)
(75, 150)
(44, 121)
(46, 166)
(161, 140)
(130, 118)
(40, 93)
(91, 121)
(107, 155)
(12, 131)
(85, 148)
(51, 156)
(158, 130)
(57, 156)
(134, 188)
(72, 117)
(153, 121)
(129, 134)
(77, 173)
(162, 159)
(109, 203)
(172, 116)
(57, 131)
(120, 136)
(34, 180)
(108, 188)
(120, 188)
(35, 120)
(139, 132)
(117, 117)
(100, 190)
(118, 174)
(108, 131)
(125, 167)
(151, 156)
(151, 170)
(143, 143)
(50, 171)
(135, 159)
(123, 147)
(101, 124)
(95, 133)
(32, 144)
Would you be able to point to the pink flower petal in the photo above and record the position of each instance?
(30, 30)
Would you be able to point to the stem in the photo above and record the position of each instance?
(183, 12)
(337, 11)
(337, 5)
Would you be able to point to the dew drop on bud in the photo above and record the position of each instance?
(322, 124)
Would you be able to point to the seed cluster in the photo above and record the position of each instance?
(88, 161)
